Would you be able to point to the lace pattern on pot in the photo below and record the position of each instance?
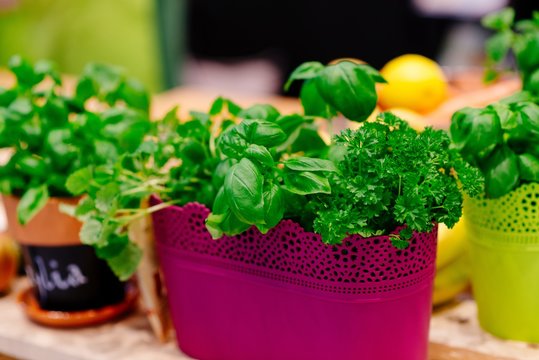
(515, 213)
(289, 253)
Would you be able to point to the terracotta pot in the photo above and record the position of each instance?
(67, 275)
(50, 227)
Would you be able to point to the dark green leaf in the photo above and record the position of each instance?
(243, 189)
(498, 45)
(501, 172)
(217, 106)
(135, 95)
(313, 103)
(85, 89)
(528, 165)
(32, 201)
(23, 70)
(305, 71)
(114, 247)
(273, 207)
(259, 154)
(260, 111)
(310, 164)
(305, 183)
(348, 89)
(399, 242)
(373, 73)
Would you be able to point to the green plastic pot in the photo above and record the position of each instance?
(503, 237)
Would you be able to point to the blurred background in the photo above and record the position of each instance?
(242, 45)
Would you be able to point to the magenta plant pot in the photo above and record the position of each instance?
(286, 295)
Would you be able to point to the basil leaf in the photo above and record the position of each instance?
(526, 48)
(476, 132)
(499, 20)
(222, 219)
(305, 71)
(498, 45)
(348, 89)
(243, 191)
(260, 111)
(32, 201)
(501, 172)
(273, 207)
(305, 183)
(261, 132)
(259, 154)
(312, 102)
(373, 73)
(310, 164)
(529, 167)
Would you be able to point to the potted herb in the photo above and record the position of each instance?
(503, 223)
(317, 256)
(51, 135)
(520, 38)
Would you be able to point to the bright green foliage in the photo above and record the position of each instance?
(391, 175)
(500, 140)
(53, 135)
(345, 88)
(522, 38)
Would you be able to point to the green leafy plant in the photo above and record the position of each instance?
(500, 140)
(255, 167)
(391, 176)
(236, 161)
(521, 38)
(51, 134)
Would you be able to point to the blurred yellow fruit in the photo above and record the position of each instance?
(414, 82)
(451, 243)
(9, 259)
(416, 120)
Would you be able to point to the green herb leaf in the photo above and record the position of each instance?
(349, 89)
(313, 103)
(528, 165)
(91, 231)
(125, 263)
(243, 190)
(259, 154)
(502, 172)
(305, 183)
(79, 182)
(305, 71)
(106, 196)
(32, 201)
(498, 45)
(310, 164)
(500, 20)
(260, 111)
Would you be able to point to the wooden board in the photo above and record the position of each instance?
(454, 335)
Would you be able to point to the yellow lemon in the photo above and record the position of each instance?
(414, 82)
(416, 120)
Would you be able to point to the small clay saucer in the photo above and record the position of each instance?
(71, 319)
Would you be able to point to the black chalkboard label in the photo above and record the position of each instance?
(71, 278)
